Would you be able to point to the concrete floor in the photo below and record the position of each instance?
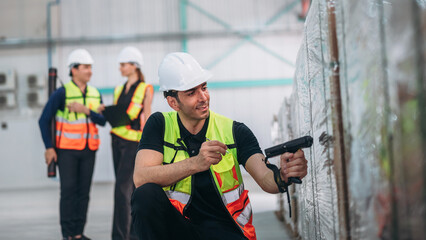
(33, 213)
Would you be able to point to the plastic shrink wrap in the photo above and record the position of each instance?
(360, 92)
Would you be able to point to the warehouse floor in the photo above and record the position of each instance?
(33, 213)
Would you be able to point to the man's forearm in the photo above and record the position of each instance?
(268, 184)
(261, 174)
(163, 175)
(149, 167)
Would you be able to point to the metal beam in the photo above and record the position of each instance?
(183, 23)
(49, 32)
(42, 42)
(245, 37)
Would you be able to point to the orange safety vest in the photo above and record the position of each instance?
(74, 130)
(133, 111)
(226, 174)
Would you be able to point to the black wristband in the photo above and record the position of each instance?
(282, 186)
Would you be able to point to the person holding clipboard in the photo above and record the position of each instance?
(131, 109)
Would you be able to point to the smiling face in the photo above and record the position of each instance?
(192, 104)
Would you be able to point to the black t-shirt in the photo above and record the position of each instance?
(205, 205)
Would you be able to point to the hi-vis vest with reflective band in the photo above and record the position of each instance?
(73, 130)
(133, 111)
(226, 174)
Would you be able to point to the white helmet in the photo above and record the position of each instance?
(131, 55)
(180, 71)
(79, 56)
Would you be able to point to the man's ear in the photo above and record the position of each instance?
(173, 103)
(73, 70)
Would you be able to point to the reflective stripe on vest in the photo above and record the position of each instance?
(78, 121)
(226, 173)
(133, 111)
(180, 196)
(245, 215)
(74, 130)
(233, 195)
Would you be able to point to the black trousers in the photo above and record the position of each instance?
(155, 218)
(76, 171)
(124, 154)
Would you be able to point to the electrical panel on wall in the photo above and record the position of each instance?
(36, 81)
(37, 93)
(7, 100)
(36, 97)
(7, 79)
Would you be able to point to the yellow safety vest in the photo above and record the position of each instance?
(226, 173)
(133, 111)
(73, 130)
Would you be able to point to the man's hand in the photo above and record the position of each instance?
(50, 155)
(293, 165)
(211, 152)
(101, 108)
(78, 108)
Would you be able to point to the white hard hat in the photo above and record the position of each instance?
(79, 56)
(180, 71)
(131, 55)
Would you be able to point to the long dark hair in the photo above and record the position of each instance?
(140, 74)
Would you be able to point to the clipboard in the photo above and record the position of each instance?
(116, 115)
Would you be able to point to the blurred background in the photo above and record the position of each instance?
(249, 46)
(351, 74)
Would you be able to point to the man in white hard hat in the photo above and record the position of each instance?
(187, 171)
(74, 107)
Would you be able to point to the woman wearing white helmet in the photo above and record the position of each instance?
(136, 97)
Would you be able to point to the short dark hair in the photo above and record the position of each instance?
(74, 66)
(171, 93)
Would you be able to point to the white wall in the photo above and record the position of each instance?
(269, 55)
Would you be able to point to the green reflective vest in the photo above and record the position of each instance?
(73, 129)
(226, 174)
(133, 111)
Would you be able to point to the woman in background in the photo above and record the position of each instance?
(136, 96)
